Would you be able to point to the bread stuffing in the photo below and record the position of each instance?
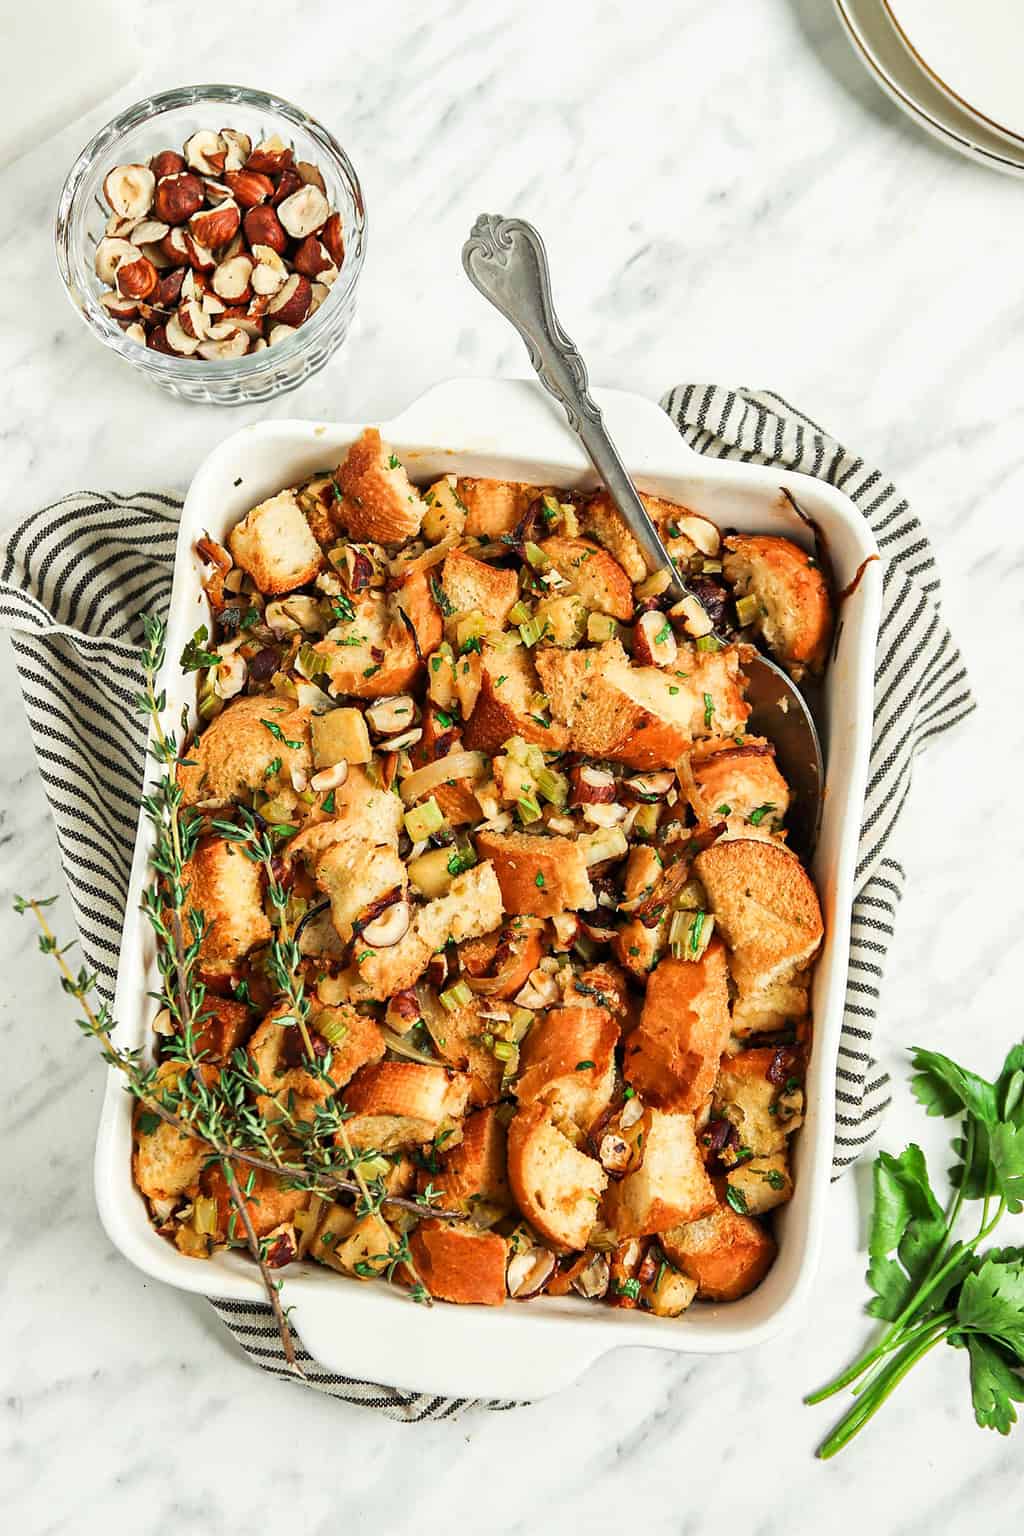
(552, 950)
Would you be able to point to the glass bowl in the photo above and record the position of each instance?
(165, 122)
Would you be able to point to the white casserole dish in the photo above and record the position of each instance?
(513, 430)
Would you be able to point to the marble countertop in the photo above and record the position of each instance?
(725, 197)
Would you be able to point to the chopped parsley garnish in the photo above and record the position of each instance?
(539, 880)
(443, 718)
(329, 803)
(723, 810)
(195, 657)
(756, 817)
(394, 462)
(343, 609)
(274, 766)
(369, 671)
(673, 689)
(736, 1198)
(663, 633)
(630, 1288)
(709, 709)
(584, 1066)
(147, 1123)
(502, 679)
(775, 1179)
(278, 735)
(440, 599)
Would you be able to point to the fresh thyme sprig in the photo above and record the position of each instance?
(929, 1285)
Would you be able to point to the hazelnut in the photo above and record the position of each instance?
(309, 175)
(149, 232)
(319, 292)
(288, 182)
(175, 246)
(263, 227)
(118, 228)
(269, 272)
(168, 289)
(109, 255)
(119, 308)
(311, 257)
(178, 340)
(157, 341)
(137, 333)
(167, 163)
(279, 333)
(216, 191)
(215, 226)
(654, 643)
(235, 343)
(178, 197)
(305, 211)
(291, 305)
(192, 319)
(129, 190)
(136, 279)
(199, 257)
(206, 152)
(249, 187)
(239, 148)
(332, 239)
(231, 279)
(271, 156)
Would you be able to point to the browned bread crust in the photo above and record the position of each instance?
(726, 1253)
(504, 706)
(379, 502)
(568, 1059)
(232, 756)
(459, 1265)
(556, 1187)
(473, 586)
(733, 782)
(670, 1186)
(597, 577)
(275, 545)
(227, 888)
(540, 876)
(400, 1104)
(477, 1169)
(792, 593)
(384, 660)
(494, 507)
(672, 1056)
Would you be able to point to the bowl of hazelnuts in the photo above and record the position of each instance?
(213, 237)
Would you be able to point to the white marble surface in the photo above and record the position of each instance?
(725, 197)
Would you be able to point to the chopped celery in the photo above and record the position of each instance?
(332, 1029)
(456, 997)
(536, 556)
(519, 613)
(532, 630)
(601, 627)
(746, 610)
(709, 643)
(528, 809)
(553, 786)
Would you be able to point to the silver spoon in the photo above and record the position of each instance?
(506, 260)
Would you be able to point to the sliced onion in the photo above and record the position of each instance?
(432, 556)
(457, 765)
(401, 1047)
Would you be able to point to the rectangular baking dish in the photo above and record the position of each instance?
(511, 429)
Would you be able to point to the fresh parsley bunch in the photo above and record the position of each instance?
(929, 1285)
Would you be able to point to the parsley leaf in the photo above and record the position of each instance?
(995, 1385)
(195, 657)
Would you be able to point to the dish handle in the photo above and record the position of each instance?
(485, 415)
(466, 1352)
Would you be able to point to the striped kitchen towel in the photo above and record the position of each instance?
(76, 574)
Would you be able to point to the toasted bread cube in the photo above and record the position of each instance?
(763, 1183)
(414, 598)
(642, 716)
(557, 1188)
(733, 783)
(494, 507)
(764, 1113)
(563, 620)
(222, 1027)
(379, 502)
(795, 617)
(446, 512)
(597, 577)
(726, 1253)
(266, 1197)
(670, 1186)
(458, 1039)
(458, 804)
(504, 706)
(672, 1056)
(227, 888)
(765, 905)
(473, 586)
(354, 876)
(601, 519)
(334, 1223)
(373, 655)
(568, 1059)
(511, 952)
(471, 907)
(599, 986)
(364, 812)
(460, 1265)
(398, 1104)
(166, 1163)
(340, 736)
(274, 544)
(638, 948)
(669, 1293)
(274, 1044)
(477, 1169)
(539, 876)
(232, 755)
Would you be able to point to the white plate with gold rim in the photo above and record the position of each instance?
(973, 53)
(881, 47)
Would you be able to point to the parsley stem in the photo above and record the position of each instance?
(886, 1382)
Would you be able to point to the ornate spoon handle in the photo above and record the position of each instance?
(506, 260)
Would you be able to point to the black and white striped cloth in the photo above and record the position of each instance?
(76, 574)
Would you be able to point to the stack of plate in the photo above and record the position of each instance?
(954, 67)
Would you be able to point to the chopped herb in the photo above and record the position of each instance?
(343, 609)
(634, 949)
(709, 709)
(274, 766)
(673, 689)
(756, 817)
(147, 1123)
(435, 663)
(539, 881)
(584, 1066)
(250, 618)
(539, 720)
(473, 644)
(775, 1179)
(630, 1288)
(736, 1198)
(278, 735)
(696, 929)
(195, 658)
(328, 804)
(443, 718)
(369, 671)
(502, 679)
(440, 599)
(367, 954)
(394, 462)
(663, 633)
(723, 810)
